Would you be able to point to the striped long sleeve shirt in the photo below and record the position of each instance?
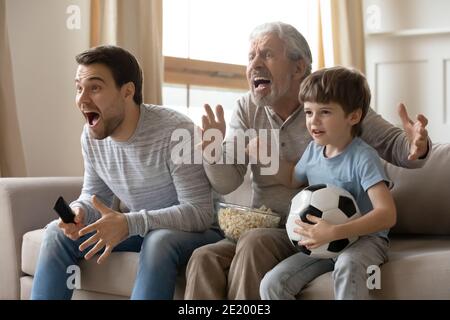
(159, 192)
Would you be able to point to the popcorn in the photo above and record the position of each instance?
(235, 220)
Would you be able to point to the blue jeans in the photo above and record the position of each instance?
(291, 275)
(162, 253)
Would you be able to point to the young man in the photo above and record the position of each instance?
(126, 148)
(279, 59)
(336, 100)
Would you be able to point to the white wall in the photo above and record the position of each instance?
(43, 50)
(408, 60)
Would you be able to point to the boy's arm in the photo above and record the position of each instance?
(382, 216)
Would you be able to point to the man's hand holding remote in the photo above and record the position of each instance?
(71, 229)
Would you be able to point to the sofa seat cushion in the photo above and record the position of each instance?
(26, 283)
(115, 276)
(417, 269)
(407, 246)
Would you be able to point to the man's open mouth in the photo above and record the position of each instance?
(92, 117)
(261, 81)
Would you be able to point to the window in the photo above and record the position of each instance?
(205, 44)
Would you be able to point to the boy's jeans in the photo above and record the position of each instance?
(162, 253)
(291, 275)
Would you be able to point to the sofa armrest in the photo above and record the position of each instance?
(26, 204)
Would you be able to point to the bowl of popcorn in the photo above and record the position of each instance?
(234, 219)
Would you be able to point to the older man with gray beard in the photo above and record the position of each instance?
(279, 59)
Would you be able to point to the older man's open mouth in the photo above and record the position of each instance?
(261, 83)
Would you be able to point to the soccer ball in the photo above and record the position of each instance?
(328, 202)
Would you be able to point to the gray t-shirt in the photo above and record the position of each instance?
(389, 141)
(140, 172)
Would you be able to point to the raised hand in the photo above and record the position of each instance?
(112, 228)
(416, 133)
(211, 121)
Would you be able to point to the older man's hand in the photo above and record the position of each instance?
(213, 121)
(416, 132)
(112, 228)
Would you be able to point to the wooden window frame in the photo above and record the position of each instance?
(204, 73)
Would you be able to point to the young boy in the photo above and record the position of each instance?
(335, 102)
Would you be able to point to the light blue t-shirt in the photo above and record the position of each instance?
(356, 169)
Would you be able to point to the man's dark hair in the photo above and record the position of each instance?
(348, 87)
(123, 65)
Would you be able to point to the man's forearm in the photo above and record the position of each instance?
(390, 141)
(184, 217)
(225, 178)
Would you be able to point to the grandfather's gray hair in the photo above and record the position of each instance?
(296, 45)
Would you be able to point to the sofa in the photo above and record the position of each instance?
(418, 266)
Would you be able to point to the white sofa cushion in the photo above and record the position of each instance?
(115, 276)
(416, 269)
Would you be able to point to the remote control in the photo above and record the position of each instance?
(64, 211)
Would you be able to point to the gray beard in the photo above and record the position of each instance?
(262, 101)
(268, 100)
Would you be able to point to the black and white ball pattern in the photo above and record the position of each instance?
(328, 202)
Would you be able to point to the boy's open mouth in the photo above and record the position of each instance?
(317, 132)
